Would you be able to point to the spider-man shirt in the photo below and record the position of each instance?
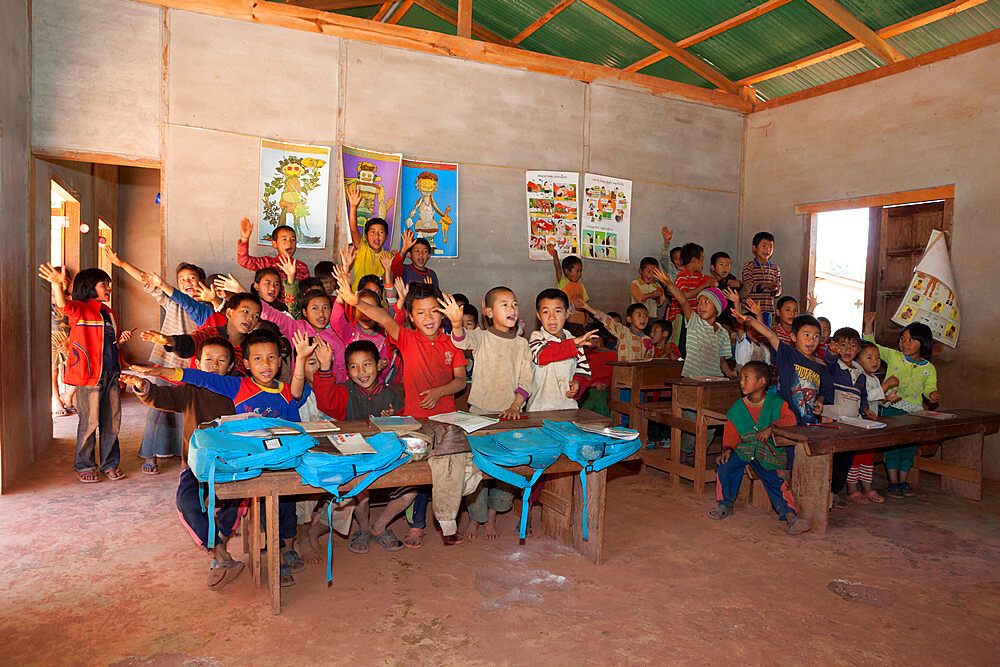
(800, 380)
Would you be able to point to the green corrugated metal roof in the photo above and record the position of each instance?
(783, 35)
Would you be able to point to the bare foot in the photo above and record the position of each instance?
(309, 548)
(491, 530)
(472, 532)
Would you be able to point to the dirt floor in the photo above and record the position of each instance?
(105, 574)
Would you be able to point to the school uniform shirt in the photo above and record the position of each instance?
(503, 367)
(631, 346)
(556, 362)
(410, 273)
(429, 363)
(916, 378)
(574, 290)
(754, 275)
(248, 396)
(800, 380)
(686, 280)
(705, 347)
(850, 396)
(110, 367)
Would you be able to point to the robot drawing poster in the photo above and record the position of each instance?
(377, 176)
(294, 187)
(429, 204)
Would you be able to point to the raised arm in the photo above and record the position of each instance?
(119, 262)
(555, 261)
(764, 330)
(57, 279)
(377, 313)
(682, 301)
(243, 257)
(353, 199)
(303, 350)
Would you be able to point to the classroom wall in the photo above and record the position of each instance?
(138, 239)
(16, 432)
(935, 125)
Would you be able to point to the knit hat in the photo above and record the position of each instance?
(717, 298)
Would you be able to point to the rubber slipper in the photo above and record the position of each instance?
(721, 512)
(150, 469)
(414, 538)
(216, 574)
(88, 476)
(797, 526)
(359, 542)
(874, 496)
(286, 578)
(114, 474)
(388, 541)
(452, 540)
(293, 561)
(234, 568)
(838, 503)
(859, 498)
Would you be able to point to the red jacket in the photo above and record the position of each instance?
(86, 341)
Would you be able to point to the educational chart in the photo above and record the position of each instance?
(553, 213)
(607, 205)
(294, 187)
(429, 204)
(377, 175)
(931, 296)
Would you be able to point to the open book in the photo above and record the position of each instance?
(350, 443)
(321, 427)
(464, 420)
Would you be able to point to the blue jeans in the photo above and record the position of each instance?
(100, 411)
(730, 476)
(195, 519)
(164, 434)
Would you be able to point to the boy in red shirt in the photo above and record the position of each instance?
(435, 372)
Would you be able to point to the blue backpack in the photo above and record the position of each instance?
(224, 454)
(329, 471)
(494, 454)
(593, 451)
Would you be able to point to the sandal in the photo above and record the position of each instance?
(114, 474)
(285, 576)
(388, 541)
(414, 538)
(88, 476)
(838, 503)
(150, 469)
(293, 561)
(859, 498)
(221, 574)
(452, 540)
(797, 526)
(721, 512)
(359, 542)
(874, 496)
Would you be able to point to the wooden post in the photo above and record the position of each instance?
(811, 485)
(966, 451)
(254, 529)
(465, 18)
(593, 547)
(700, 444)
(557, 507)
(273, 551)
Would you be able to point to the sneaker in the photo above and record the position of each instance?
(906, 490)
(894, 491)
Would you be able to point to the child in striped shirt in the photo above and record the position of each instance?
(761, 278)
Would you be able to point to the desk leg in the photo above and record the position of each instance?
(273, 552)
(253, 528)
(811, 487)
(634, 399)
(557, 507)
(675, 442)
(965, 452)
(592, 548)
(700, 446)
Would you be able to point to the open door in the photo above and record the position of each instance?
(897, 238)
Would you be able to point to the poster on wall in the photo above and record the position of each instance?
(553, 213)
(377, 177)
(931, 296)
(607, 205)
(429, 204)
(294, 188)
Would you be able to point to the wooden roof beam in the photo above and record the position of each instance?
(463, 24)
(399, 13)
(692, 62)
(904, 26)
(542, 20)
(382, 11)
(335, 5)
(850, 23)
(452, 17)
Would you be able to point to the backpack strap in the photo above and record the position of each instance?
(512, 478)
(211, 503)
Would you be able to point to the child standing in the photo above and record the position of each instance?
(633, 343)
(869, 361)
(690, 281)
(747, 434)
(568, 278)
(659, 333)
(599, 388)
(720, 265)
(283, 240)
(781, 322)
(762, 278)
(850, 399)
(560, 370)
(670, 258)
(419, 250)
(644, 289)
(369, 245)
(917, 378)
(93, 367)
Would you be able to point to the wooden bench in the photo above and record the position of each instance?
(710, 400)
(960, 467)
(561, 499)
(637, 377)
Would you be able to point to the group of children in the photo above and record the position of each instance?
(303, 348)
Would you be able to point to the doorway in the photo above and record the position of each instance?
(839, 277)
(64, 216)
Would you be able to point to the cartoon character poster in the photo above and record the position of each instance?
(553, 213)
(606, 218)
(377, 175)
(931, 296)
(294, 187)
(429, 204)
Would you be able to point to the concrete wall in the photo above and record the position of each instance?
(936, 125)
(138, 240)
(16, 274)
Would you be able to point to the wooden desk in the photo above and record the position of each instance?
(960, 467)
(561, 499)
(710, 400)
(639, 376)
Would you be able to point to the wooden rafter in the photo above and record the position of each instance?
(382, 11)
(850, 23)
(692, 62)
(716, 29)
(464, 22)
(335, 5)
(449, 15)
(541, 20)
(912, 23)
(400, 12)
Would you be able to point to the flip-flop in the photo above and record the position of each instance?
(150, 469)
(222, 574)
(388, 541)
(859, 498)
(874, 496)
(285, 576)
(359, 542)
(114, 474)
(88, 476)
(453, 540)
(414, 538)
(720, 512)
(294, 561)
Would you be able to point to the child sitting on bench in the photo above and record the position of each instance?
(747, 434)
